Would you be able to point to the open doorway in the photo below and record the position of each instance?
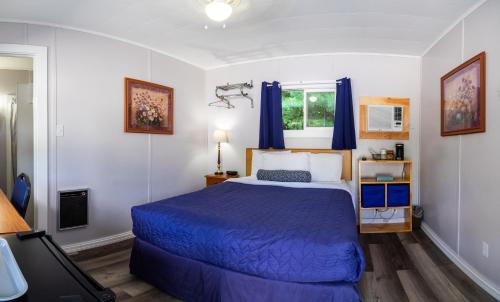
(16, 125)
(40, 127)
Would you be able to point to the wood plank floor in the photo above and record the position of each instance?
(399, 267)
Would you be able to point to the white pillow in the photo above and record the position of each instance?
(258, 160)
(326, 166)
(290, 161)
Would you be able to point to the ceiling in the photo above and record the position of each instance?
(258, 29)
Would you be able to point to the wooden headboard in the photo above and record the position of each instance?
(346, 154)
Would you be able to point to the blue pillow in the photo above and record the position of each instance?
(284, 175)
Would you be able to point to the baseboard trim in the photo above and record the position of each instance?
(468, 269)
(81, 246)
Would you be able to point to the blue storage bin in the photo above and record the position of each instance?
(372, 196)
(398, 195)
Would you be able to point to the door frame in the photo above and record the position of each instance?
(40, 127)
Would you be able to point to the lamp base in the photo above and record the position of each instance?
(219, 171)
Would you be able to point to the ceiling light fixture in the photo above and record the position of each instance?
(219, 10)
(313, 99)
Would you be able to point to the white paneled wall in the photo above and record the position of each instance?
(86, 74)
(460, 173)
(371, 75)
(439, 156)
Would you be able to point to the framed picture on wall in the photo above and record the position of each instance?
(463, 97)
(149, 107)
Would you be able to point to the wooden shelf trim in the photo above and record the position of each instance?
(369, 180)
(386, 208)
(385, 227)
(385, 161)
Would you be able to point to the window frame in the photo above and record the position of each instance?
(310, 131)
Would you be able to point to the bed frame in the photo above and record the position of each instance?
(193, 280)
(346, 155)
(196, 281)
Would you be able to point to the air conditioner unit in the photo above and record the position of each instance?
(385, 118)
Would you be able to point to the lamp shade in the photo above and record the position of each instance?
(220, 136)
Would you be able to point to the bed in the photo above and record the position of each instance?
(251, 240)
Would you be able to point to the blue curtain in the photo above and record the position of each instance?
(271, 120)
(344, 135)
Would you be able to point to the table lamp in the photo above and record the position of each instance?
(220, 136)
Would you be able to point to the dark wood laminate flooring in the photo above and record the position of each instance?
(399, 267)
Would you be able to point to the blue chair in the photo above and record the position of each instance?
(21, 194)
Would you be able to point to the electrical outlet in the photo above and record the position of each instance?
(485, 249)
(59, 130)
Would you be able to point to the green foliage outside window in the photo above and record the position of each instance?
(292, 104)
(320, 109)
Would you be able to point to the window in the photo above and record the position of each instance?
(308, 111)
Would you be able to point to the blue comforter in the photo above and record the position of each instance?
(280, 233)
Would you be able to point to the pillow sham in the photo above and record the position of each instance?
(326, 166)
(284, 175)
(257, 159)
(290, 161)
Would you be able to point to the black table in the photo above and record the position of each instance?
(51, 275)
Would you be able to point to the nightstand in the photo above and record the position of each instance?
(377, 196)
(217, 179)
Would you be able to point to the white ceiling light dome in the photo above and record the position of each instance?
(219, 10)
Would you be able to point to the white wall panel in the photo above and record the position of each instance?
(480, 161)
(439, 155)
(12, 33)
(459, 174)
(371, 75)
(95, 152)
(178, 161)
(85, 93)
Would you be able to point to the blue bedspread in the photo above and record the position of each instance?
(280, 233)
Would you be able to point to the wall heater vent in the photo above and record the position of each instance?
(73, 209)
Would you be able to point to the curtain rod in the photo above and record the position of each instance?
(310, 82)
(307, 83)
(325, 82)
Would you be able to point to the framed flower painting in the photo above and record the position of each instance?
(463, 90)
(149, 107)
